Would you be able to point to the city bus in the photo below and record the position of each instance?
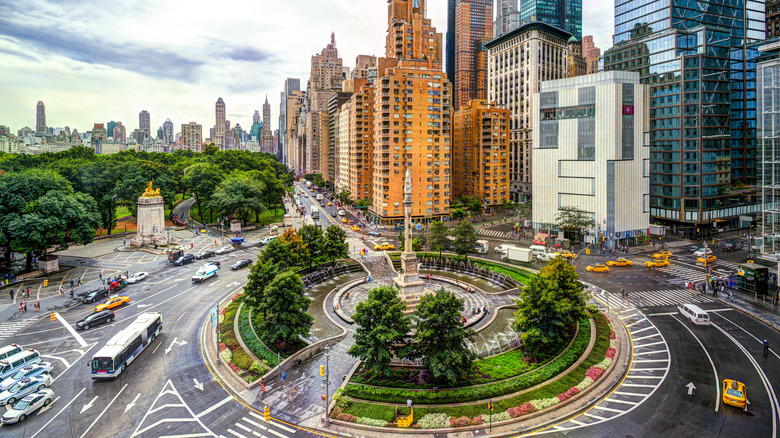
(315, 212)
(125, 346)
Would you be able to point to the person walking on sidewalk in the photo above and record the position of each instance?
(766, 347)
(71, 282)
(79, 281)
(28, 292)
(62, 292)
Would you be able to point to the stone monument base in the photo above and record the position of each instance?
(49, 263)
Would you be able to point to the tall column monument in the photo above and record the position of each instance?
(408, 280)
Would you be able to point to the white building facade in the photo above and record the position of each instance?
(591, 151)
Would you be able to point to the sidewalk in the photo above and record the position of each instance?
(761, 309)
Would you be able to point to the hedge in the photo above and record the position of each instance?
(493, 390)
(248, 336)
(516, 273)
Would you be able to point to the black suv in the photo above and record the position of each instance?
(95, 295)
(205, 255)
(240, 264)
(183, 260)
(95, 319)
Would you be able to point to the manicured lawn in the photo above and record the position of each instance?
(121, 212)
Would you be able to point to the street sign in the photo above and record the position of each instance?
(214, 316)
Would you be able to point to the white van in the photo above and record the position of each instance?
(545, 257)
(694, 313)
(10, 365)
(538, 249)
(701, 252)
(205, 272)
(10, 350)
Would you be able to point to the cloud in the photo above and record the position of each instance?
(247, 54)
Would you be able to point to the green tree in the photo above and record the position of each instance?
(285, 307)
(260, 276)
(574, 221)
(336, 246)
(438, 237)
(549, 306)
(418, 243)
(465, 239)
(440, 338)
(382, 326)
(401, 240)
(202, 179)
(298, 252)
(278, 252)
(365, 202)
(345, 196)
(314, 240)
(238, 195)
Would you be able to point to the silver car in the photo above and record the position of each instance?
(225, 249)
(138, 276)
(26, 406)
(27, 371)
(24, 387)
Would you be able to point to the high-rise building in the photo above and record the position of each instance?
(167, 136)
(507, 18)
(40, 118)
(473, 27)
(192, 136)
(768, 110)
(5, 131)
(144, 126)
(341, 182)
(267, 115)
(591, 53)
(256, 117)
(326, 68)
(120, 134)
(295, 104)
(563, 14)
(772, 18)
(110, 128)
(329, 166)
(480, 153)
(590, 152)
(449, 46)
(360, 153)
(538, 52)
(702, 118)
(98, 133)
(290, 85)
(575, 63)
(219, 125)
(365, 68)
(410, 35)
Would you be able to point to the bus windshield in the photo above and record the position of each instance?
(102, 364)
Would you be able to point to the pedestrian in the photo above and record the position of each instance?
(79, 281)
(28, 292)
(20, 307)
(36, 306)
(11, 293)
(62, 292)
(766, 347)
(292, 390)
(24, 304)
(192, 245)
(71, 282)
(485, 309)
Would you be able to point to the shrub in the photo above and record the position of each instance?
(612, 335)
(434, 421)
(584, 384)
(226, 355)
(524, 409)
(604, 364)
(242, 360)
(257, 367)
(230, 340)
(544, 403)
(336, 412)
(252, 343)
(371, 422)
(222, 346)
(568, 394)
(235, 369)
(460, 421)
(341, 400)
(227, 326)
(346, 417)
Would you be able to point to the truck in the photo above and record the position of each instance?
(205, 272)
(308, 184)
(541, 239)
(315, 212)
(320, 198)
(482, 247)
(516, 254)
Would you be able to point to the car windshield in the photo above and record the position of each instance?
(733, 392)
(16, 388)
(22, 405)
(20, 374)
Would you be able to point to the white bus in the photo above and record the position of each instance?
(315, 212)
(125, 346)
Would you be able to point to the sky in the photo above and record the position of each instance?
(91, 61)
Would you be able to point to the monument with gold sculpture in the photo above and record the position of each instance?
(408, 281)
(151, 219)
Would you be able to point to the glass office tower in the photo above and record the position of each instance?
(563, 14)
(692, 55)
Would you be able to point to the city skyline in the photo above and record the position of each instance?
(120, 72)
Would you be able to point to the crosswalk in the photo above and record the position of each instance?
(687, 271)
(254, 425)
(8, 329)
(495, 233)
(668, 297)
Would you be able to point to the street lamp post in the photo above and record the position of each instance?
(326, 381)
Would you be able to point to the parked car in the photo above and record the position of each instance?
(95, 319)
(138, 276)
(225, 249)
(205, 254)
(240, 264)
(27, 406)
(727, 247)
(95, 296)
(111, 303)
(738, 246)
(31, 370)
(183, 260)
(23, 387)
(374, 234)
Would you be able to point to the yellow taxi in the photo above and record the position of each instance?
(383, 246)
(598, 267)
(343, 220)
(662, 255)
(355, 228)
(566, 254)
(329, 203)
(734, 393)
(657, 263)
(707, 259)
(111, 303)
(620, 262)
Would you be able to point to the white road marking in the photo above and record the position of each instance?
(215, 406)
(236, 433)
(104, 411)
(72, 331)
(613, 400)
(90, 404)
(645, 337)
(636, 322)
(67, 364)
(651, 352)
(648, 345)
(58, 413)
(641, 330)
(173, 391)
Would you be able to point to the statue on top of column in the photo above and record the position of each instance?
(408, 181)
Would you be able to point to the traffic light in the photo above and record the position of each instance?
(267, 413)
(53, 317)
(322, 370)
(323, 397)
(45, 283)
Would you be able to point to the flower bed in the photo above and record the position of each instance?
(560, 390)
(230, 349)
(269, 358)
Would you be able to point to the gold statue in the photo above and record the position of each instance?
(150, 192)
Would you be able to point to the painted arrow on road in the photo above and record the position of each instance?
(47, 407)
(690, 387)
(132, 403)
(174, 342)
(141, 306)
(89, 405)
(198, 384)
(235, 283)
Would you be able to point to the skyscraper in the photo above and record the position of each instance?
(256, 118)
(167, 132)
(267, 115)
(702, 107)
(772, 18)
(290, 85)
(591, 53)
(507, 18)
(410, 35)
(449, 46)
(144, 126)
(98, 133)
(110, 128)
(473, 26)
(563, 14)
(40, 118)
(120, 134)
(192, 136)
(219, 125)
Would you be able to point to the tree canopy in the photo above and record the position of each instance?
(286, 311)
(465, 239)
(574, 221)
(438, 237)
